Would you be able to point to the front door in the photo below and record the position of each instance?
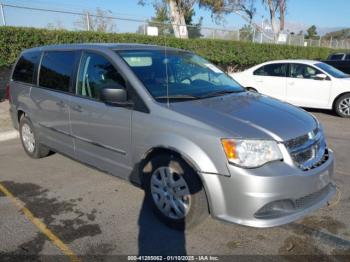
(304, 88)
(102, 132)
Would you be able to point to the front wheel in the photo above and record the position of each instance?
(342, 106)
(175, 192)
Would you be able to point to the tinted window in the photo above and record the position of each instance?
(347, 57)
(336, 57)
(56, 69)
(278, 70)
(25, 68)
(303, 71)
(96, 72)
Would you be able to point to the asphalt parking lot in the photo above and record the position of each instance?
(86, 212)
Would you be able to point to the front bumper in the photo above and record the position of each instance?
(272, 195)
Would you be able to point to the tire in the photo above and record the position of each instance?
(250, 89)
(192, 193)
(30, 140)
(342, 106)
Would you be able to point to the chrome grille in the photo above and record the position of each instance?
(308, 151)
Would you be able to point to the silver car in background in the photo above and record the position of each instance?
(176, 125)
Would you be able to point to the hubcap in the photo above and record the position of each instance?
(344, 106)
(170, 193)
(28, 138)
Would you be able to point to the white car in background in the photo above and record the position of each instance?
(304, 83)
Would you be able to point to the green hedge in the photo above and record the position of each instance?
(221, 52)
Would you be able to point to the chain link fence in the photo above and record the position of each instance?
(15, 15)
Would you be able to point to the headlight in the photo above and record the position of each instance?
(251, 153)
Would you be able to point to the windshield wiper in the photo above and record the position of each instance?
(178, 97)
(220, 93)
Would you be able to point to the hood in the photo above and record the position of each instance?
(249, 115)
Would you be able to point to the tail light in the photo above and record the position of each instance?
(7, 94)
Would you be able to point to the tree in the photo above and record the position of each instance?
(276, 7)
(177, 10)
(244, 8)
(56, 25)
(163, 16)
(282, 8)
(101, 21)
(194, 29)
(246, 33)
(311, 32)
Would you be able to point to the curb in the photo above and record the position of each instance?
(4, 136)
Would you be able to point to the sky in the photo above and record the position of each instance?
(300, 14)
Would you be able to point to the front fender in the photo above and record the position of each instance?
(183, 146)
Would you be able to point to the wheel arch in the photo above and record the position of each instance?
(169, 151)
(337, 97)
(159, 150)
(20, 114)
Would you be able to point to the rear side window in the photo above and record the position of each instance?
(57, 69)
(347, 57)
(278, 70)
(25, 68)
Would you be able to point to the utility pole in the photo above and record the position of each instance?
(2, 14)
(261, 31)
(87, 21)
(254, 33)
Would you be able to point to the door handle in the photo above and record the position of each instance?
(60, 103)
(77, 108)
(291, 84)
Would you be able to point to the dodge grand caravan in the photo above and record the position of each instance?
(176, 125)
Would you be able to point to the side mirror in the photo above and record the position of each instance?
(321, 77)
(115, 96)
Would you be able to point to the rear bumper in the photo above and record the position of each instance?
(269, 196)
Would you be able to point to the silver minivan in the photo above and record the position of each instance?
(173, 123)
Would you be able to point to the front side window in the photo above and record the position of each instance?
(178, 75)
(56, 69)
(303, 71)
(277, 70)
(347, 57)
(25, 68)
(96, 72)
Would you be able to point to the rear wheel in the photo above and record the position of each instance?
(342, 106)
(175, 192)
(30, 141)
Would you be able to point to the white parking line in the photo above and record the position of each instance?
(4, 136)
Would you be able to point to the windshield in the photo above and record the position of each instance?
(185, 75)
(332, 70)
